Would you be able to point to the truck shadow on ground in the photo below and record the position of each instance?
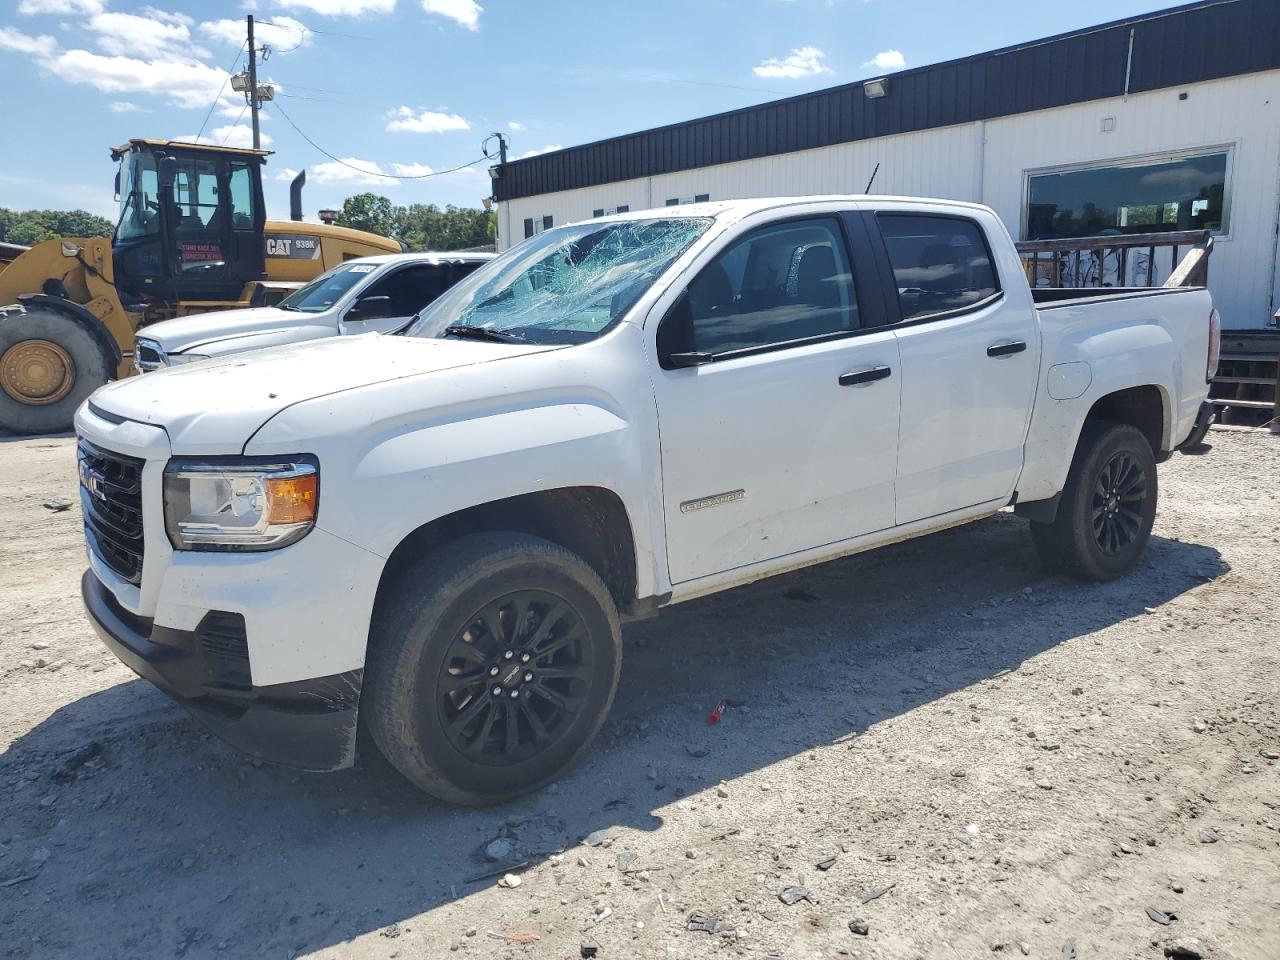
(167, 841)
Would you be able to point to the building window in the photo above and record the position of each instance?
(528, 227)
(546, 223)
(1154, 195)
(623, 208)
(701, 197)
(598, 212)
(673, 202)
(696, 198)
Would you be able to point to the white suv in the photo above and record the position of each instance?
(369, 295)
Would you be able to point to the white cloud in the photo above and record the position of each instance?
(516, 125)
(232, 135)
(802, 62)
(465, 12)
(286, 174)
(411, 169)
(428, 121)
(367, 174)
(188, 84)
(153, 34)
(123, 106)
(887, 60)
(549, 148)
(282, 34)
(64, 7)
(341, 8)
(41, 46)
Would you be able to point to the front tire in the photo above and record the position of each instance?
(493, 661)
(49, 364)
(1107, 508)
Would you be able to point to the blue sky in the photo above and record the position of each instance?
(411, 86)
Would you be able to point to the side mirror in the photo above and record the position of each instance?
(675, 341)
(117, 185)
(370, 308)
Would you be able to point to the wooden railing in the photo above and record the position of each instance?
(1105, 261)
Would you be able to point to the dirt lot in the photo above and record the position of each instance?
(1015, 763)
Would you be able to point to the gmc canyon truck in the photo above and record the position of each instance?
(434, 536)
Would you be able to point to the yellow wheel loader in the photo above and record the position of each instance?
(192, 237)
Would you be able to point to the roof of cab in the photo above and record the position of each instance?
(117, 152)
(736, 209)
(430, 256)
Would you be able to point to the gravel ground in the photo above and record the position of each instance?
(994, 760)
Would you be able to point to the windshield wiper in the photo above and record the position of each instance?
(483, 333)
(288, 306)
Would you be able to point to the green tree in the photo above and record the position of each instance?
(33, 226)
(367, 211)
(421, 226)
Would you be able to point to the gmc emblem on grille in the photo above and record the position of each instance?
(92, 482)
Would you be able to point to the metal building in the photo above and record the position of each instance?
(1169, 121)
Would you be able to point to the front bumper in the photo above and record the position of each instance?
(310, 724)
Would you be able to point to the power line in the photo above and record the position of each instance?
(371, 173)
(218, 96)
(231, 129)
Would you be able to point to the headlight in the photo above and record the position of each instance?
(177, 359)
(241, 504)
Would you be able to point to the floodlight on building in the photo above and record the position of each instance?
(875, 89)
(495, 172)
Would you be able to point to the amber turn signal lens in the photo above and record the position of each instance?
(291, 499)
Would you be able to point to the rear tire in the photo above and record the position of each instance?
(1107, 507)
(49, 364)
(492, 663)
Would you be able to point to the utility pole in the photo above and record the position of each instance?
(253, 86)
(502, 149)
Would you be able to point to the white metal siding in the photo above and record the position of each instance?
(988, 161)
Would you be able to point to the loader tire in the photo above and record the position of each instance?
(49, 364)
(1108, 506)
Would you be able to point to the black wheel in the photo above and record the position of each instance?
(49, 364)
(1107, 508)
(492, 664)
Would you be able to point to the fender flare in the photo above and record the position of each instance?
(110, 349)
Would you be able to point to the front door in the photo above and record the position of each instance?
(779, 433)
(393, 299)
(970, 363)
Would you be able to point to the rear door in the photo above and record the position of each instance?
(969, 359)
(783, 437)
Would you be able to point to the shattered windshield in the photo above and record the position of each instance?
(568, 285)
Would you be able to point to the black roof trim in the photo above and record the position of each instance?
(1192, 43)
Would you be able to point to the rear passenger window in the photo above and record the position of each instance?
(939, 263)
(790, 281)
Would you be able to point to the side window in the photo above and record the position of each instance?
(408, 290)
(939, 263)
(240, 183)
(789, 281)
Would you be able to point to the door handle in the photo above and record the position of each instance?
(1006, 349)
(864, 376)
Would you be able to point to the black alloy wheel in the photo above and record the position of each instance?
(514, 677)
(1118, 496)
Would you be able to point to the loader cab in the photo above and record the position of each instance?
(191, 222)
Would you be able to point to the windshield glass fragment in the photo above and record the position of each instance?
(567, 285)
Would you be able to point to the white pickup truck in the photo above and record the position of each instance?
(367, 295)
(436, 535)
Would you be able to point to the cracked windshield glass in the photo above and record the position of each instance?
(568, 285)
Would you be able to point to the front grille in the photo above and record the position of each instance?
(148, 356)
(111, 499)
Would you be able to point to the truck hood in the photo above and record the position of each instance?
(189, 333)
(213, 407)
